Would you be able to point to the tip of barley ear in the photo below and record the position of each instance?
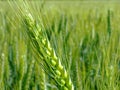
(29, 20)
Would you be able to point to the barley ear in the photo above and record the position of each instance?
(39, 40)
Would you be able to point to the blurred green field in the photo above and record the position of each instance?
(84, 34)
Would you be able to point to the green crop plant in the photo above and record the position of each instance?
(47, 53)
(59, 45)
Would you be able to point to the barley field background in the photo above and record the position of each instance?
(60, 45)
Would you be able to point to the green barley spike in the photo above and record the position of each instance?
(42, 44)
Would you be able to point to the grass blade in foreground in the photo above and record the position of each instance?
(42, 45)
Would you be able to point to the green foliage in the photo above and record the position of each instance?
(83, 35)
